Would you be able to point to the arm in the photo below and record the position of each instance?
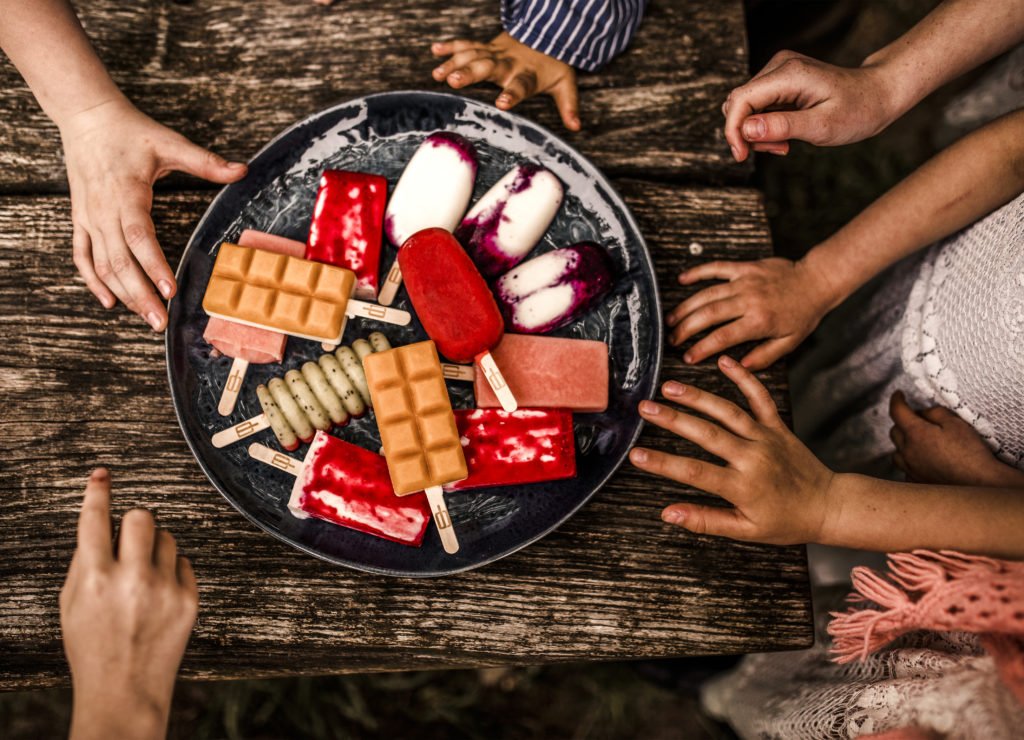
(831, 105)
(781, 302)
(781, 494)
(125, 619)
(541, 45)
(114, 154)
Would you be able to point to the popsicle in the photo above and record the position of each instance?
(507, 222)
(247, 344)
(417, 428)
(555, 288)
(348, 219)
(287, 294)
(434, 190)
(346, 485)
(525, 446)
(454, 304)
(550, 372)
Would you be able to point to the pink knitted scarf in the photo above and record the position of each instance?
(943, 591)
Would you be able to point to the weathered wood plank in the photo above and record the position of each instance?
(83, 387)
(230, 74)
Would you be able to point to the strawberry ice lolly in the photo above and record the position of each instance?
(248, 345)
(347, 485)
(434, 190)
(555, 288)
(505, 449)
(454, 304)
(507, 222)
(347, 223)
(550, 372)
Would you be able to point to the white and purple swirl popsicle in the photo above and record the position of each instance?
(555, 288)
(507, 222)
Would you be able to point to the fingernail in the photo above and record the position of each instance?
(638, 455)
(649, 408)
(236, 165)
(439, 71)
(672, 388)
(753, 128)
(727, 361)
(735, 153)
(688, 358)
(108, 303)
(165, 288)
(672, 516)
(154, 320)
(100, 474)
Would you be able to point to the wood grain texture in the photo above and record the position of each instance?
(83, 387)
(231, 74)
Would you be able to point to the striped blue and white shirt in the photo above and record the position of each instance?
(586, 34)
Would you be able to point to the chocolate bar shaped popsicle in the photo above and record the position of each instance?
(417, 427)
(287, 294)
(246, 344)
(346, 485)
(434, 190)
(454, 304)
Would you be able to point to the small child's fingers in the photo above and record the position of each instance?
(779, 148)
(901, 413)
(137, 537)
(186, 575)
(721, 339)
(898, 437)
(716, 270)
(706, 435)
(183, 155)
(141, 297)
(764, 354)
(107, 268)
(686, 470)
(140, 236)
(81, 253)
(703, 318)
(516, 90)
(165, 553)
(94, 531)
(725, 412)
(716, 521)
(476, 71)
(758, 397)
(941, 416)
(445, 48)
(446, 69)
(697, 300)
(566, 99)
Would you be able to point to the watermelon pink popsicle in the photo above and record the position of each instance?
(453, 303)
(349, 486)
(505, 449)
(507, 222)
(555, 288)
(348, 219)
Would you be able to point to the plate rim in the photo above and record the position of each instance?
(658, 342)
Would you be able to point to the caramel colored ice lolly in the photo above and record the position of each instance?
(417, 426)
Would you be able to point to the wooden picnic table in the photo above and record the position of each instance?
(83, 387)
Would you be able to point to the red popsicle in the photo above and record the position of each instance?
(349, 486)
(453, 303)
(348, 220)
(505, 449)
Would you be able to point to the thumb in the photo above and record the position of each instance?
(567, 101)
(187, 157)
(781, 126)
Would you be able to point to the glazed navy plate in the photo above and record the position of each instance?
(379, 134)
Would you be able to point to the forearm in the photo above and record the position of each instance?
(958, 186)
(121, 716)
(47, 44)
(873, 514)
(934, 51)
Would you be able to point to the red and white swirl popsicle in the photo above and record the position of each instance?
(555, 288)
(434, 190)
(454, 304)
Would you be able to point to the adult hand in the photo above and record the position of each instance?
(797, 97)
(779, 490)
(125, 618)
(520, 71)
(773, 299)
(937, 446)
(114, 154)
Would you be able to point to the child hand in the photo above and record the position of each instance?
(126, 619)
(937, 446)
(520, 71)
(779, 490)
(825, 105)
(772, 299)
(114, 155)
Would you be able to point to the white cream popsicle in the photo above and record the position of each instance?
(507, 222)
(555, 288)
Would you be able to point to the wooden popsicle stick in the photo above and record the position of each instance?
(272, 457)
(392, 283)
(229, 397)
(458, 372)
(435, 497)
(497, 381)
(239, 431)
(380, 313)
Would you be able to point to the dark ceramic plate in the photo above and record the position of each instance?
(378, 134)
